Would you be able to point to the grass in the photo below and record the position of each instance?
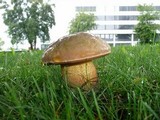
(128, 88)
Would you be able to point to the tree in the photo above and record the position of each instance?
(82, 23)
(28, 20)
(1, 43)
(146, 28)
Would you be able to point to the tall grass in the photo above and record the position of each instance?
(128, 88)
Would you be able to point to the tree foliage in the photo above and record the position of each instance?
(28, 20)
(1, 43)
(146, 28)
(82, 23)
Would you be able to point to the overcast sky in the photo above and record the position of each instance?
(64, 12)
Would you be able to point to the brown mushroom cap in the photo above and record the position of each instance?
(75, 48)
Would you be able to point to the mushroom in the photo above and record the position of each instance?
(75, 53)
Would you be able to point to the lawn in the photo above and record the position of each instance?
(128, 88)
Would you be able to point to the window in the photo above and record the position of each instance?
(127, 17)
(133, 8)
(123, 37)
(111, 18)
(107, 37)
(114, 27)
(127, 8)
(44, 46)
(85, 8)
(100, 18)
(125, 27)
(157, 8)
(100, 27)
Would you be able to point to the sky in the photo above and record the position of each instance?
(64, 12)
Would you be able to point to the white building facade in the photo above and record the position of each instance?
(116, 20)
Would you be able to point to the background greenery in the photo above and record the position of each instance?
(82, 22)
(1, 43)
(146, 29)
(28, 20)
(129, 85)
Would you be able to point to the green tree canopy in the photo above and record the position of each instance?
(28, 20)
(146, 28)
(82, 23)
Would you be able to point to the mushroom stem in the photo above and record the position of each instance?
(80, 75)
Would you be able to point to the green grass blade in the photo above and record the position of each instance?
(16, 101)
(87, 108)
(97, 106)
(151, 110)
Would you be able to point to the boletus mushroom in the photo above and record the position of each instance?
(75, 53)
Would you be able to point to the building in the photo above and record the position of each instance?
(116, 20)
